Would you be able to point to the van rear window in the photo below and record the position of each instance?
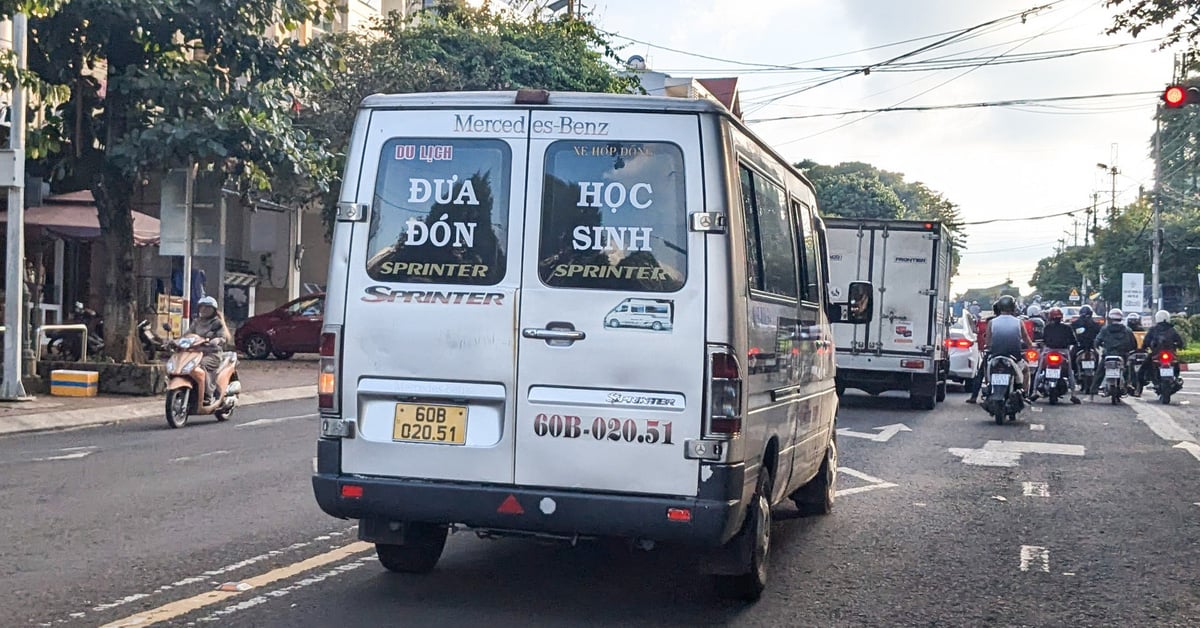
(441, 212)
(614, 216)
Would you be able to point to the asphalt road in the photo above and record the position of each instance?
(1075, 515)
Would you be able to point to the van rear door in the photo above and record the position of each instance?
(611, 354)
(428, 347)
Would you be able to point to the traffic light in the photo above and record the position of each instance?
(1176, 96)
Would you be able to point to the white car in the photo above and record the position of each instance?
(963, 349)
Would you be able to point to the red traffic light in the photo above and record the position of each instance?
(1175, 96)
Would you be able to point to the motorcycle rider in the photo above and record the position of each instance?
(211, 326)
(1114, 339)
(1161, 337)
(1058, 335)
(1086, 329)
(1006, 335)
(1037, 322)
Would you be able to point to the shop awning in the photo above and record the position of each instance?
(74, 216)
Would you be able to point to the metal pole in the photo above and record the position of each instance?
(1157, 289)
(14, 277)
(188, 199)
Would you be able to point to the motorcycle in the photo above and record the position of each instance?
(1166, 382)
(151, 343)
(1051, 381)
(1114, 378)
(1033, 360)
(66, 344)
(1086, 365)
(1136, 361)
(1004, 396)
(185, 388)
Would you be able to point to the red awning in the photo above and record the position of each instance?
(74, 216)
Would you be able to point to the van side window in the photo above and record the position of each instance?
(812, 257)
(614, 216)
(441, 212)
(773, 248)
(754, 271)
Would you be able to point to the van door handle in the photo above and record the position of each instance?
(569, 335)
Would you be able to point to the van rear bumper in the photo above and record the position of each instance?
(548, 511)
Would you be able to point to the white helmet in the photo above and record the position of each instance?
(1133, 317)
(207, 301)
(1116, 314)
(1162, 316)
(1033, 310)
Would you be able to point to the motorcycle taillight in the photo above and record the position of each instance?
(1166, 357)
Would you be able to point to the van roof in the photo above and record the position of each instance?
(568, 100)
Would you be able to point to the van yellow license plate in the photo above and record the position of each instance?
(425, 423)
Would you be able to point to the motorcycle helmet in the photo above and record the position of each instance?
(1162, 316)
(1085, 310)
(1033, 310)
(209, 301)
(1133, 319)
(1116, 315)
(1055, 314)
(1006, 305)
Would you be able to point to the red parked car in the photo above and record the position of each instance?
(294, 327)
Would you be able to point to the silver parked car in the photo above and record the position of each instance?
(962, 345)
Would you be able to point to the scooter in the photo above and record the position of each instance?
(152, 345)
(1136, 361)
(1166, 382)
(65, 345)
(1050, 379)
(1004, 397)
(1086, 361)
(185, 388)
(1114, 378)
(1033, 360)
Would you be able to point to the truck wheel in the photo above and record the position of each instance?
(922, 402)
(756, 530)
(816, 497)
(941, 391)
(421, 551)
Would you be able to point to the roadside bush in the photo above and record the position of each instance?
(1194, 327)
(1186, 329)
(1190, 355)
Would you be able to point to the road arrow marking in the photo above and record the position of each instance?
(999, 453)
(1190, 447)
(886, 432)
(875, 483)
(1036, 489)
(1031, 554)
(1161, 423)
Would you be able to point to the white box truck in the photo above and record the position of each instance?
(908, 262)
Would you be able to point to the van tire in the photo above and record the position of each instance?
(748, 586)
(922, 402)
(421, 551)
(816, 497)
(941, 391)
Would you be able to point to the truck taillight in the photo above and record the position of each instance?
(724, 394)
(327, 378)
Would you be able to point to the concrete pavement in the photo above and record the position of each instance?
(263, 381)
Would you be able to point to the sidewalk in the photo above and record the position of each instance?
(263, 381)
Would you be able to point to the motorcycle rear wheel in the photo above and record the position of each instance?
(177, 407)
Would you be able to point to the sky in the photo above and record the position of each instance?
(995, 162)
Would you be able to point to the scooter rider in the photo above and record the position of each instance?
(1161, 337)
(1114, 339)
(1058, 335)
(211, 326)
(1037, 323)
(1086, 329)
(1006, 335)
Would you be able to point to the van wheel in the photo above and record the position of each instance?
(941, 391)
(748, 587)
(656, 326)
(421, 551)
(816, 497)
(922, 402)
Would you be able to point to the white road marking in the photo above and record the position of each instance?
(1191, 448)
(71, 456)
(1161, 423)
(860, 475)
(886, 432)
(206, 576)
(1031, 554)
(1035, 489)
(999, 453)
(278, 593)
(219, 452)
(875, 483)
(281, 419)
(1037, 427)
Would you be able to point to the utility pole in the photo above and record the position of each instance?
(1156, 294)
(11, 388)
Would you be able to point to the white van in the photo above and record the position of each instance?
(470, 373)
(655, 314)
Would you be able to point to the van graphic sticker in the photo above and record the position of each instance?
(441, 212)
(614, 217)
(904, 332)
(652, 314)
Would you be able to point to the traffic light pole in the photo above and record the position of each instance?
(1157, 241)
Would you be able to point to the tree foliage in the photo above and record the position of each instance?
(459, 48)
(1180, 17)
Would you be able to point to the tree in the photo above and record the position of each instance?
(1179, 16)
(459, 48)
(158, 85)
(857, 196)
(1057, 275)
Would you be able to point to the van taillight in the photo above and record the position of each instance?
(327, 378)
(724, 395)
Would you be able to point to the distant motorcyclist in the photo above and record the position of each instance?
(1006, 335)
(1037, 322)
(211, 326)
(1134, 322)
(1115, 339)
(1058, 335)
(1161, 337)
(1086, 328)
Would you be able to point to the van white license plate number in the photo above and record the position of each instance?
(1053, 373)
(1113, 374)
(1001, 379)
(1088, 364)
(1166, 372)
(424, 423)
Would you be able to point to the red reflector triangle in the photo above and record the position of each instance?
(510, 506)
